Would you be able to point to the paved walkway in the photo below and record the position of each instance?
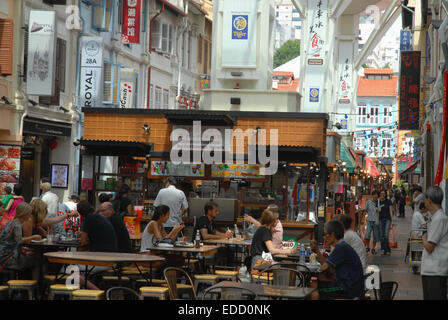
(394, 267)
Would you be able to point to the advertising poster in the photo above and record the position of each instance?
(9, 166)
(59, 175)
(41, 53)
(165, 168)
(131, 21)
(91, 71)
(236, 170)
(127, 90)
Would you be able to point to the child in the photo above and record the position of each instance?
(7, 197)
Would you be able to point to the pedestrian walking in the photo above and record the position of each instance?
(372, 221)
(385, 217)
(401, 198)
(434, 269)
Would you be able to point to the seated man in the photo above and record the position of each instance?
(419, 220)
(106, 209)
(342, 273)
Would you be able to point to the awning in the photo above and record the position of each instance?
(413, 168)
(347, 158)
(371, 168)
(116, 148)
(355, 156)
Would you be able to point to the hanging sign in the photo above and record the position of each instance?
(127, 88)
(42, 33)
(131, 21)
(91, 71)
(410, 90)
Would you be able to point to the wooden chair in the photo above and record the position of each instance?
(160, 293)
(83, 294)
(176, 289)
(23, 285)
(230, 293)
(60, 289)
(122, 293)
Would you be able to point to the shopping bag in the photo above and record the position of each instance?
(393, 238)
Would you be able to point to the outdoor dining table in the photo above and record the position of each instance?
(269, 291)
(203, 251)
(245, 244)
(314, 268)
(114, 260)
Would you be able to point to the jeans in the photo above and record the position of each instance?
(371, 226)
(384, 235)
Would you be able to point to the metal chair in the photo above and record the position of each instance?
(387, 291)
(230, 293)
(171, 276)
(302, 268)
(285, 276)
(122, 293)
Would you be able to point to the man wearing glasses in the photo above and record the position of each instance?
(342, 274)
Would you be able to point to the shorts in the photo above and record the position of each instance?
(330, 290)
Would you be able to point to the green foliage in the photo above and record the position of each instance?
(365, 66)
(288, 51)
(386, 66)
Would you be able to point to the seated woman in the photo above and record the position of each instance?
(12, 254)
(277, 230)
(39, 220)
(155, 231)
(342, 274)
(262, 240)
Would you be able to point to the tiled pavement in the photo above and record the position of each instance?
(394, 267)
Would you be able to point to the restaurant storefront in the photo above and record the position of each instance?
(298, 186)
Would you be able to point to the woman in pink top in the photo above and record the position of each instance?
(277, 230)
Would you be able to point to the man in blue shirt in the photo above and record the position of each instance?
(342, 273)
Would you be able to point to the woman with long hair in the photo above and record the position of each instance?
(122, 204)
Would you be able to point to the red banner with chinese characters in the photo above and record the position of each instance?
(131, 21)
(439, 174)
(410, 90)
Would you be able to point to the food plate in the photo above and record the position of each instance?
(39, 241)
(184, 244)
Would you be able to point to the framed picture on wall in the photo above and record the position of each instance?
(59, 175)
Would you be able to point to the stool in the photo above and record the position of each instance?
(60, 289)
(210, 279)
(155, 282)
(231, 275)
(114, 280)
(154, 292)
(193, 263)
(182, 288)
(4, 292)
(88, 294)
(27, 285)
(51, 278)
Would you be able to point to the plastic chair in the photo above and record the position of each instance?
(122, 293)
(230, 293)
(387, 291)
(285, 276)
(171, 277)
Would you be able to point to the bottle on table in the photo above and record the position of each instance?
(197, 240)
(237, 232)
(302, 253)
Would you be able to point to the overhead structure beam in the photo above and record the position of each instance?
(339, 8)
(300, 7)
(390, 15)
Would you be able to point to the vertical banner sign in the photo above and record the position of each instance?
(405, 40)
(440, 174)
(409, 90)
(239, 38)
(131, 21)
(127, 88)
(41, 53)
(315, 54)
(345, 81)
(91, 72)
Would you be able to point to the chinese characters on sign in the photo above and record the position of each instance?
(345, 81)
(317, 32)
(405, 40)
(131, 21)
(409, 90)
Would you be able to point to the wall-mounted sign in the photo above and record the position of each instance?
(27, 154)
(59, 175)
(42, 33)
(314, 94)
(405, 40)
(240, 26)
(236, 171)
(167, 168)
(91, 71)
(131, 21)
(410, 90)
(127, 88)
(9, 166)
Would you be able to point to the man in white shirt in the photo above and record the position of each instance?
(418, 220)
(50, 198)
(419, 197)
(434, 269)
(352, 238)
(175, 199)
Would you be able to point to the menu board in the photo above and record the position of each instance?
(9, 166)
(236, 170)
(165, 168)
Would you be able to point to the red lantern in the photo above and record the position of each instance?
(53, 144)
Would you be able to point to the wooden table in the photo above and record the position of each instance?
(114, 260)
(269, 291)
(203, 251)
(232, 242)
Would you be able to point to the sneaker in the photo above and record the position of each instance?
(387, 253)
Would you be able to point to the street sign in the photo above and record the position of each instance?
(410, 90)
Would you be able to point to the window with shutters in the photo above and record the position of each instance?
(158, 98)
(183, 49)
(206, 57)
(60, 70)
(156, 42)
(189, 50)
(151, 96)
(200, 49)
(387, 114)
(387, 145)
(111, 88)
(373, 145)
(170, 39)
(101, 15)
(166, 96)
(360, 143)
(165, 37)
(362, 113)
(25, 54)
(6, 46)
(374, 111)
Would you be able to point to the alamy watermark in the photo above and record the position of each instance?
(211, 146)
